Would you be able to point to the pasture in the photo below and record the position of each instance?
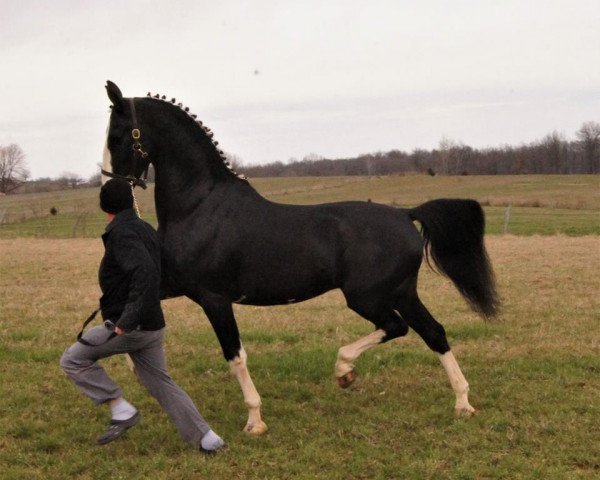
(539, 204)
(534, 372)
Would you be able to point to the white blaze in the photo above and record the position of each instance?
(106, 159)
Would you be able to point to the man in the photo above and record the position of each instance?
(129, 278)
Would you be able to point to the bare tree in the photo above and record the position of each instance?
(69, 180)
(554, 148)
(453, 156)
(589, 141)
(95, 180)
(234, 160)
(13, 168)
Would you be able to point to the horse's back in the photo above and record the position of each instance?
(348, 240)
(370, 227)
(381, 243)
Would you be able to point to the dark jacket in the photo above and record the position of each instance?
(129, 274)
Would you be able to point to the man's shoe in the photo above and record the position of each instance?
(213, 451)
(117, 428)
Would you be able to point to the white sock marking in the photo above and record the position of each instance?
(458, 382)
(239, 369)
(349, 353)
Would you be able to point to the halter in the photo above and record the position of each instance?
(138, 152)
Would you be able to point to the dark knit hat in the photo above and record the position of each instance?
(116, 196)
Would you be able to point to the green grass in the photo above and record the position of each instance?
(542, 221)
(540, 204)
(534, 376)
(66, 225)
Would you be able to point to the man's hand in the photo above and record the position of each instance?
(119, 330)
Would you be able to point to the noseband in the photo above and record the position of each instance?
(138, 153)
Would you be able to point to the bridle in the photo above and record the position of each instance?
(138, 153)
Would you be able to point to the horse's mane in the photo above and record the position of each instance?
(207, 132)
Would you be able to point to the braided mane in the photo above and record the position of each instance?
(207, 131)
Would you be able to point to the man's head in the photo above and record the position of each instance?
(116, 196)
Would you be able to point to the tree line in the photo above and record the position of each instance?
(551, 155)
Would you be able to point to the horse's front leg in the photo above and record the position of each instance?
(220, 315)
(239, 369)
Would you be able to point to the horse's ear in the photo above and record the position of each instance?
(115, 95)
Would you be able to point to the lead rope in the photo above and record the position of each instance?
(135, 203)
(128, 359)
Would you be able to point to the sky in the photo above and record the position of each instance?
(277, 80)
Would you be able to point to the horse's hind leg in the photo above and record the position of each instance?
(434, 335)
(344, 368)
(220, 315)
(389, 325)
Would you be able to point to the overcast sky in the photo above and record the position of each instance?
(282, 79)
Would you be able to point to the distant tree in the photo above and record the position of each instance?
(312, 157)
(235, 161)
(419, 158)
(95, 180)
(589, 142)
(13, 168)
(70, 180)
(451, 155)
(554, 148)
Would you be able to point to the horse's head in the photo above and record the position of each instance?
(151, 129)
(125, 153)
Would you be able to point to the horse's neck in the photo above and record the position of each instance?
(186, 177)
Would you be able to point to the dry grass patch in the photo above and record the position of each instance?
(533, 375)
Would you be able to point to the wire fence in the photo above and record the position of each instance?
(66, 214)
(76, 213)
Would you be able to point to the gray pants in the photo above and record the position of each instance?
(146, 350)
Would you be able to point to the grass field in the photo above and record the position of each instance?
(534, 372)
(545, 205)
(534, 375)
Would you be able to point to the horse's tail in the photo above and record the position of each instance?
(453, 232)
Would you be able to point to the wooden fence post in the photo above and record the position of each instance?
(76, 224)
(506, 219)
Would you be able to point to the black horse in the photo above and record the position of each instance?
(223, 243)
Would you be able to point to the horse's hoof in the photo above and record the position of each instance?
(256, 429)
(348, 379)
(465, 412)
